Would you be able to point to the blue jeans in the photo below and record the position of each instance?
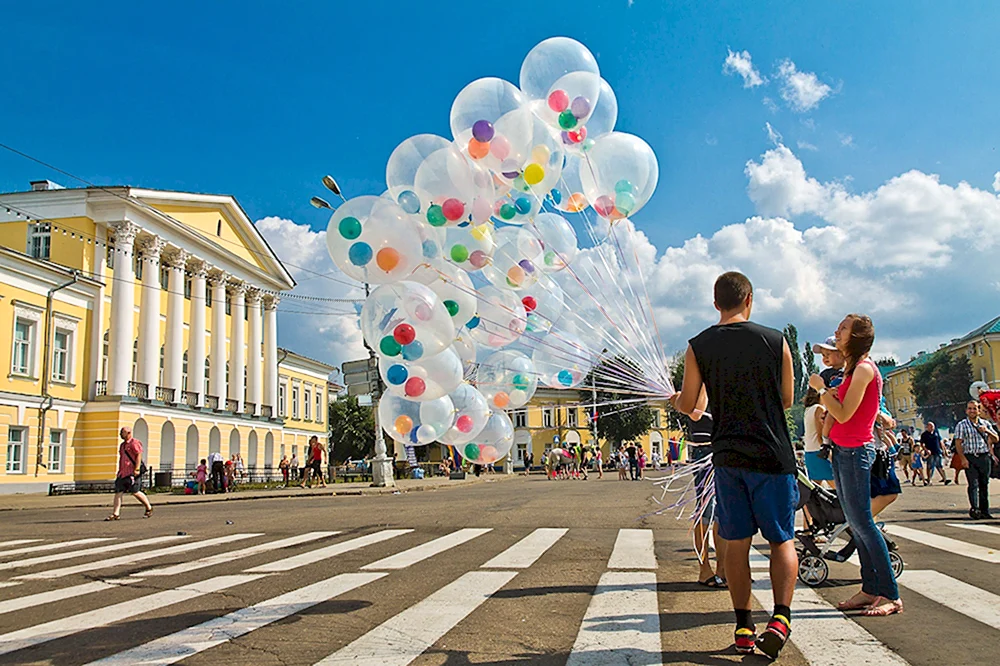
(852, 472)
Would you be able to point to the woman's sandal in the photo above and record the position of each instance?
(857, 602)
(882, 607)
(149, 513)
(112, 517)
(714, 582)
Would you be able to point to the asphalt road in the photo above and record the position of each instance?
(574, 591)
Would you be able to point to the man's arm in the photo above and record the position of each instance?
(692, 394)
(787, 376)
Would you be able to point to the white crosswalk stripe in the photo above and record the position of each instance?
(320, 554)
(977, 527)
(945, 543)
(527, 551)
(425, 550)
(222, 558)
(86, 552)
(968, 600)
(633, 550)
(17, 542)
(51, 546)
(622, 624)
(32, 600)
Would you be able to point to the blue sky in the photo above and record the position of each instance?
(260, 99)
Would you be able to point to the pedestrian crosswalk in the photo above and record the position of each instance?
(244, 583)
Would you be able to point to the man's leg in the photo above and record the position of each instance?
(737, 562)
(143, 500)
(984, 485)
(784, 572)
(116, 507)
(972, 476)
(721, 546)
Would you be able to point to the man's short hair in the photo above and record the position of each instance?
(731, 290)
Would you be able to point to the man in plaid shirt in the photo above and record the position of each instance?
(974, 438)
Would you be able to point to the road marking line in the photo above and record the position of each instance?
(16, 542)
(989, 529)
(526, 552)
(429, 549)
(824, 635)
(622, 622)
(187, 642)
(945, 543)
(222, 558)
(67, 626)
(133, 558)
(53, 546)
(633, 550)
(320, 554)
(32, 600)
(45, 559)
(404, 637)
(967, 599)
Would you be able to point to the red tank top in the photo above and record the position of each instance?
(857, 431)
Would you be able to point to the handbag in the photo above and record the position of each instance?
(141, 466)
(881, 464)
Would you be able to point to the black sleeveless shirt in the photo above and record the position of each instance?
(741, 367)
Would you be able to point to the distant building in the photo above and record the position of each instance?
(149, 309)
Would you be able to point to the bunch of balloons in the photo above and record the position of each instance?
(478, 302)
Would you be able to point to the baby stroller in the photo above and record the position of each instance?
(828, 522)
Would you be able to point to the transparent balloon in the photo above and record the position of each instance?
(474, 116)
(507, 379)
(563, 361)
(516, 262)
(561, 77)
(469, 247)
(406, 320)
(544, 302)
(372, 239)
(454, 287)
(471, 414)
(465, 347)
(423, 380)
(500, 319)
(492, 443)
(414, 423)
(601, 122)
(533, 164)
(619, 175)
(559, 242)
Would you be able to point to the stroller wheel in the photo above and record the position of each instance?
(896, 560)
(813, 570)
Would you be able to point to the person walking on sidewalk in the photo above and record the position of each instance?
(974, 439)
(931, 440)
(744, 370)
(283, 466)
(906, 452)
(854, 407)
(218, 467)
(129, 479)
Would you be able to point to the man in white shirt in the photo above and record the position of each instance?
(974, 438)
(217, 465)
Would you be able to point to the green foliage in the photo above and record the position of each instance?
(801, 379)
(620, 421)
(352, 429)
(675, 420)
(790, 421)
(812, 368)
(941, 388)
(886, 362)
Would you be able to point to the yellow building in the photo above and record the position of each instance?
(101, 290)
(977, 346)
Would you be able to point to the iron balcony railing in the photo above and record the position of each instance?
(212, 401)
(138, 390)
(101, 387)
(164, 394)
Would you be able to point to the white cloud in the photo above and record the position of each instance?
(802, 91)
(805, 145)
(773, 135)
(846, 140)
(741, 63)
(327, 331)
(770, 104)
(996, 182)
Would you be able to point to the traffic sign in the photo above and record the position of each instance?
(364, 365)
(368, 377)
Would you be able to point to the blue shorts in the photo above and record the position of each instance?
(750, 501)
(936, 461)
(819, 469)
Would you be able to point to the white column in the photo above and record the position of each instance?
(255, 389)
(196, 331)
(120, 338)
(149, 313)
(271, 354)
(237, 349)
(173, 354)
(96, 369)
(218, 354)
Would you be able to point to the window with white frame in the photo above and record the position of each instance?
(23, 358)
(137, 263)
(187, 288)
(282, 389)
(307, 403)
(571, 416)
(546, 417)
(319, 406)
(57, 451)
(184, 372)
(295, 401)
(521, 418)
(164, 278)
(17, 441)
(39, 240)
(656, 418)
(62, 349)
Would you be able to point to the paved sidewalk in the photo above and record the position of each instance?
(19, 502)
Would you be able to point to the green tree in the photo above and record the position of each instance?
(812, 368)
(674, 418)
(352, 429)
(619, 420)
(801, 379)
(886, 362)
(941, 388)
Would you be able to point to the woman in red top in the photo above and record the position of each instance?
(854, 409)
(314, 464)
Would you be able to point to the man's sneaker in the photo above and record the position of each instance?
(975, 515)
(987, 515)
(775, 636)
(947, 482)
(745, 640)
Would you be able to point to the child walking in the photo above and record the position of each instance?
(201, 475)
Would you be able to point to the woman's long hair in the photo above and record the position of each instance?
(860, 341)
(810, 398)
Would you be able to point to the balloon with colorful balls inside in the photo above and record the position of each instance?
(500, 318)
(471, 414)
(559, 243)
(507, 379)
(415, 423)
(454, 287)
(475, 113)
(601, 122)
(406, 320)
(492, 443)
(465, 347)
(534, 163)
(544, 302)
(516, 260)
(567, 195)
(620, 175)
(562, 360)
(425, 379)
(372, 239)
(469, 247)
(561, 78)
